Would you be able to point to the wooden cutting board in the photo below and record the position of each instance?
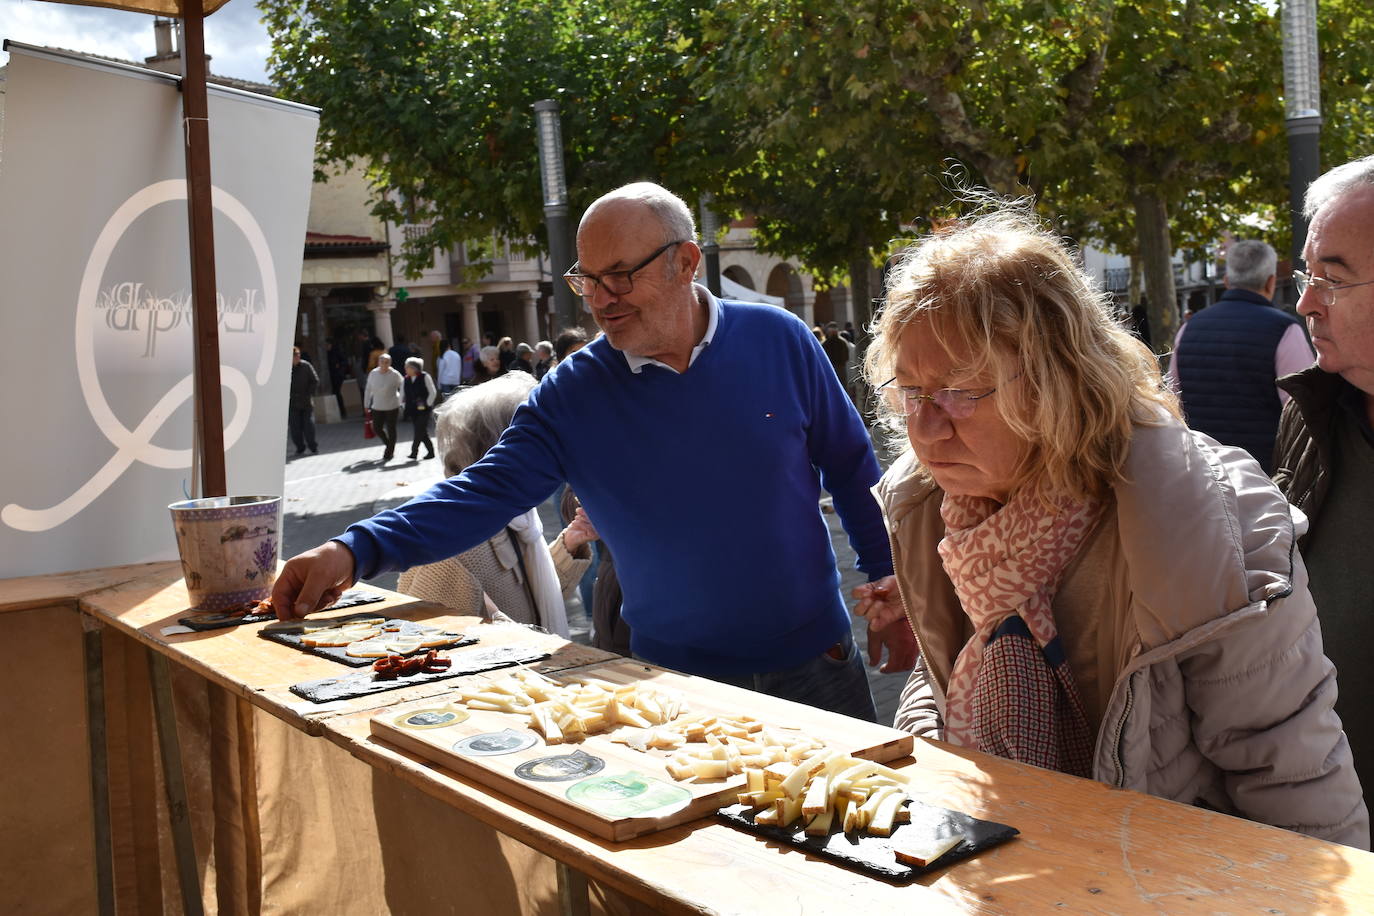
(605, 788)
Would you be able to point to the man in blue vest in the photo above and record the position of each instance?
(1227, 356)
(702, 473)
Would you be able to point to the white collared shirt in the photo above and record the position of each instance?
(637, 363)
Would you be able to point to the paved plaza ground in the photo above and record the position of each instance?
(347, 482)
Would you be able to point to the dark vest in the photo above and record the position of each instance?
(1226, 372)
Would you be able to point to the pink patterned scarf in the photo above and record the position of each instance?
(1011, 692)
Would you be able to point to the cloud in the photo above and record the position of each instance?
(235, 38)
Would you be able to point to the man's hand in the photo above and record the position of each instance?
(312, 580)
(879, 602)
(881, 605)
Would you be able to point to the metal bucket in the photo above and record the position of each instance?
(229, 547)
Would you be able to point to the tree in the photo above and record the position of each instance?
(436, 97)
(1185, 127)
(854, 110)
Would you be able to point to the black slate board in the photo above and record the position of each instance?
(363, 683)
(351, 598)
(873, 854)
(340, 653)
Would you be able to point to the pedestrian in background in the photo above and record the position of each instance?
(472, 355)
(450, 369)
(1228, 356)
(338, 371)
(543, 352)
(523, 358)
(507, 351)
(420, 394)
(488, 366)
(568, 342)
(383, 398)
(300, 418)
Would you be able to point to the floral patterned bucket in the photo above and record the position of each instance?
(229, 547)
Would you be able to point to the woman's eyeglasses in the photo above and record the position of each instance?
(957, 403)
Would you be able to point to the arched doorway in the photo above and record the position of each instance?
(739, 275)
(785, 283)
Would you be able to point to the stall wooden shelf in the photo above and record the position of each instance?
(1083, 848)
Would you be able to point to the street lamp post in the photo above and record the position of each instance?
(1302, 109)
(555, 184)
(710, 228)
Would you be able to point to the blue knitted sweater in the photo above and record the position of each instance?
(704, 485)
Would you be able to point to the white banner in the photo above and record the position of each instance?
(95, 307)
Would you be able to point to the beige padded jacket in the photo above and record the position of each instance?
(1217, 693)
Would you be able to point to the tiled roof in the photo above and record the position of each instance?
(322, 239)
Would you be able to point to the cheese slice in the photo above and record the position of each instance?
(402, 645)
(926, 850)
(368, 648)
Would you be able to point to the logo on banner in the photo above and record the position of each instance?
(140, 322)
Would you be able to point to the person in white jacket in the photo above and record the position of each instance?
(1094, 588)
(383, 399)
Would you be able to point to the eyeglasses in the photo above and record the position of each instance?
(1322, 288)
(615, 282)
(957, 403)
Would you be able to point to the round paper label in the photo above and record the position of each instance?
(431, 718)
(494, 744)
(561, 767)
(629, 795)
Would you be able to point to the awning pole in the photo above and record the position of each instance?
(200, 211)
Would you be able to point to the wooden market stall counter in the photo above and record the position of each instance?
(285, 822)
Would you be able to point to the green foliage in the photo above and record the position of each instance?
(840, 126)
(435, 95)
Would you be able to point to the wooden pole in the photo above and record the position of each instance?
(200, 211)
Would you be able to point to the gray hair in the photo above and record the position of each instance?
(1250, 264)
(670, 210)
(383, 356)
(523, 347)
(1338, 181)
(488, 352)
(470, 422)
(546, 346)
(417, 362)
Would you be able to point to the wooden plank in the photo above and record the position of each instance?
(262, 671)
(66, 588)
(701, 695)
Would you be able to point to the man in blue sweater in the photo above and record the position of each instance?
(700, 469)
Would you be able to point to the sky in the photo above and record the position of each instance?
(235, 39)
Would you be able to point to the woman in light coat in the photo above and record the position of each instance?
(1094, 588)
(514, 574)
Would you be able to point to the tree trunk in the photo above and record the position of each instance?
(1156, 251)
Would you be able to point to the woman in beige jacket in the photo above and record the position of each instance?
(1093, 588)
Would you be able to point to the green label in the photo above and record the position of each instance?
(629, 795)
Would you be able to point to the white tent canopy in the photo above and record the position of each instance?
(729, 289)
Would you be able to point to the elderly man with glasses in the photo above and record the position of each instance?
(1325, 452)
(701, 472)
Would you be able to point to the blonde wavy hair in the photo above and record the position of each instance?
(1070, 380)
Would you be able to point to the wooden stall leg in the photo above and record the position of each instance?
(187, 874)
(572, 892)
(100, 772)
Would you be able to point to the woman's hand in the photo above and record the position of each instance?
(579, 531)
